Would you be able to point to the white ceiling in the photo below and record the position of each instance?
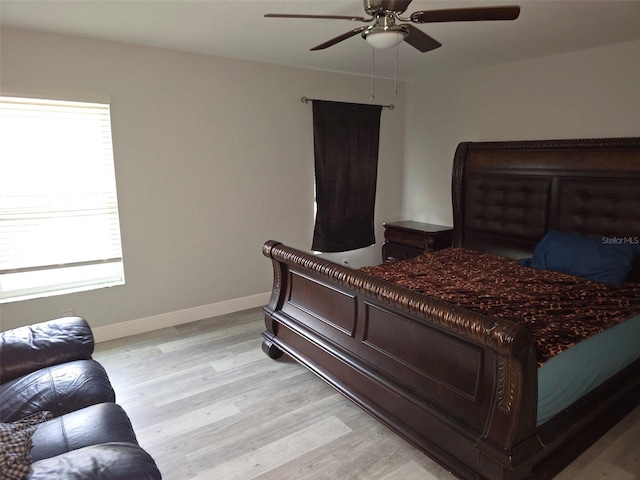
(237, 29)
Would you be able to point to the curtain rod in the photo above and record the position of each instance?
(307, 100)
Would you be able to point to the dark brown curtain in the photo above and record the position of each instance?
(346, 139)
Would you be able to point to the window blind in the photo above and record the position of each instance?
(59, 223)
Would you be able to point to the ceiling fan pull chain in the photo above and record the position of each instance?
(373, 56)
(395, 80)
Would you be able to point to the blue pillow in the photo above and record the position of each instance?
(604, 259)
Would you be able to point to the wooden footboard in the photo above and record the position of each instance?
(459, 385)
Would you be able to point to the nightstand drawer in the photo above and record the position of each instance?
(406, 238)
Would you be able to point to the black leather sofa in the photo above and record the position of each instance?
(48, 367)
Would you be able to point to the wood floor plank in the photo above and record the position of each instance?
(207, 403)
(171, 428)
(409, 471)
(261, 426)
(232, 361)
(273, 454)
(173, 392)
(603, 470)
(204, 338)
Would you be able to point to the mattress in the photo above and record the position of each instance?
(575, 372)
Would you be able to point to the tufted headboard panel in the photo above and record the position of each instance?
(507, 195)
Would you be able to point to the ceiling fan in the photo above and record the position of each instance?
(384, 32)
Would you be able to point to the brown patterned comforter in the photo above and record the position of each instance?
(559, 309)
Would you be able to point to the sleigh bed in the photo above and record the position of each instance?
(458, 383)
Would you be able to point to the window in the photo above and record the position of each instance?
(59, 224)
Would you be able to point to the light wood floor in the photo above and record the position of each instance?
(206, 403)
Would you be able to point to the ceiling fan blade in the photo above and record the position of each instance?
(329, 17)
(338, 39)
(420, 40)
(466, 14)
(398, 6)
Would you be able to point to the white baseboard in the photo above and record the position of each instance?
(170, 319)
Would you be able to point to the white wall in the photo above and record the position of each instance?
(213, 157)
(591, 93)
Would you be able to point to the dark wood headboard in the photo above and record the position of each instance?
(507, 195)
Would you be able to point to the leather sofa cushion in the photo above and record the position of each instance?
(109, 461)
(97, 424)
(58, 389)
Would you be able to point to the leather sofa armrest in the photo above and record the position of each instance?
(24, 350)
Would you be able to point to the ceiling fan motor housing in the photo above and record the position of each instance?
(373, 7)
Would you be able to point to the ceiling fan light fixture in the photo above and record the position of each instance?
(383, 39)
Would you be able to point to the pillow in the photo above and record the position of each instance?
(15, 445)
(603, 260)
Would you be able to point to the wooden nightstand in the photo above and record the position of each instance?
(409, 239)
